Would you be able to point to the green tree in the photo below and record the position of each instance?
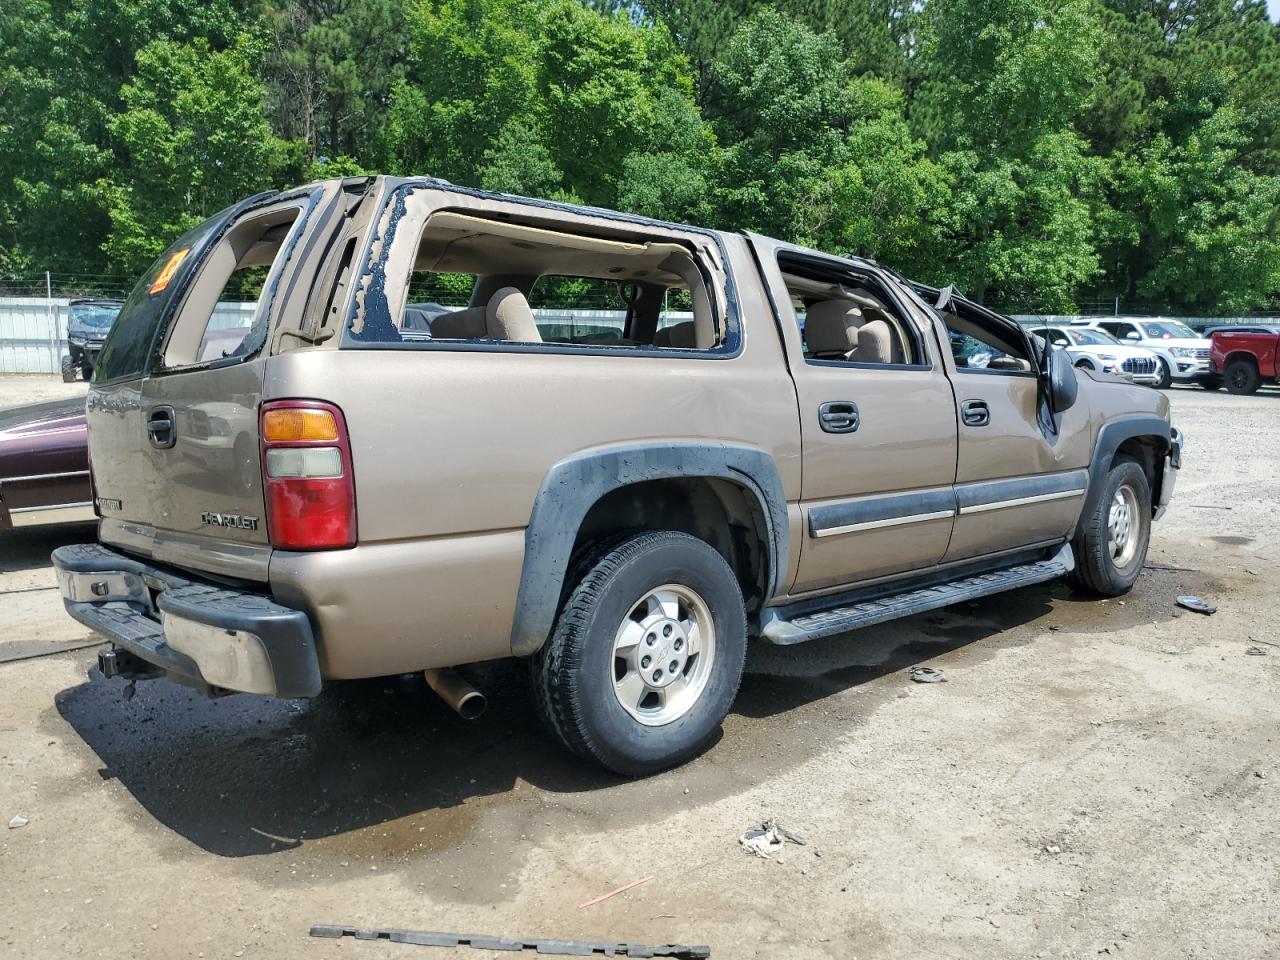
(62, 66)
(816, 153)
(1188, 114)
(1203, 231)
(549, 97)
(470, 72)
(330, 69)
(193, 138)
(1002, 85)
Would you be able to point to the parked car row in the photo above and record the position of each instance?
(1150, 350)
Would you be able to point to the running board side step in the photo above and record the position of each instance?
(775, 628)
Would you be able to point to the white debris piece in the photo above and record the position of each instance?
(18, 821)
(768, 838)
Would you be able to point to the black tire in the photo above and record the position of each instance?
(1096, 568)
(1242, 377)
(86, 369)
(68, 370)
(572, 675)
(1166, 375)
(1212, 382)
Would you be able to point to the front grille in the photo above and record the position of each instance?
(1139, 365)
(1201, 353)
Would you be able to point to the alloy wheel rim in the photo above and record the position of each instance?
(1122, 526)
(663, 653)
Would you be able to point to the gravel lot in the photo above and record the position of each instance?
(1094, 779)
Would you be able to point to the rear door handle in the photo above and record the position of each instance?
(839, 416)
(975, 413)
(162, 427)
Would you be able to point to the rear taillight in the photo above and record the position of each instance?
(306, 476)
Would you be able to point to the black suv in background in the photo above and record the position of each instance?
(87, 328)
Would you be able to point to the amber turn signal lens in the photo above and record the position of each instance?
(289, 424)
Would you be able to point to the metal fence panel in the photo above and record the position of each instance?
(32, 333)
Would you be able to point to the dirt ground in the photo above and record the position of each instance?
(1094, 779)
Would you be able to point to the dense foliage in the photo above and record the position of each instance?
(1034, 152)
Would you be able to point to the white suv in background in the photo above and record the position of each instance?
(1096, 349)
(1183, 353)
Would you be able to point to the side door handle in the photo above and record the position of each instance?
(975, 413)
(162, 427)
(839, 416)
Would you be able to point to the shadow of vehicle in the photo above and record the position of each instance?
(28, 548)
(245, 775)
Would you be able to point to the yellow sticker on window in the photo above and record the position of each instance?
(170, 268)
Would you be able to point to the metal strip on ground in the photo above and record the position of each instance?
(543, 946)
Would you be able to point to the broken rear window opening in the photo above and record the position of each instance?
(220, 316)
(481, 283)
(199, 302)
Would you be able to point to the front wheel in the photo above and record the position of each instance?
(646, 656)
(1166, 376)
(1110, 545)
(68, 369)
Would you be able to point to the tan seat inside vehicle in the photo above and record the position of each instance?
(831, 329)
(683, 336)
(506, 316)
(468, 324)
(876, 344)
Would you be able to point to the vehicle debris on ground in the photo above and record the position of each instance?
(769, 838)
(927, 675)
(1197, 605)
(543, 946)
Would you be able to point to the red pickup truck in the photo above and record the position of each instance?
(1246, 358)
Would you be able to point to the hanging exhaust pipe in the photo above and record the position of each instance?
(466, 700)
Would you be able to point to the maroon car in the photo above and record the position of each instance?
(44, 464)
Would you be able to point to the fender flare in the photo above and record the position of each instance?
(573, 485)
(1110, 437)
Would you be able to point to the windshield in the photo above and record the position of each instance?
(100, 316)
(1168, 330)
(1095, 337)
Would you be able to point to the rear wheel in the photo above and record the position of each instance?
(646, 655)
(1110, 546)
(1165, 375)
(68, 370)
(1242, 377)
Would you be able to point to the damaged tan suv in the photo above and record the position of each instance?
(457, 426)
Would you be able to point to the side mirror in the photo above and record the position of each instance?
(1132, 336)
(1063, 386)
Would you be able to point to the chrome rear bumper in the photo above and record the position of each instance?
(205, 636)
